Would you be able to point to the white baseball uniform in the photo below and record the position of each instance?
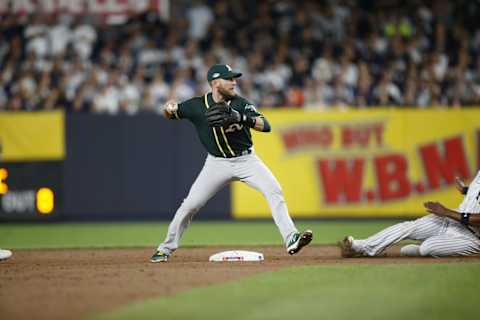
(440, 236)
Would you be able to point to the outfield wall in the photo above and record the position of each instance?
(132, 167)
(356, 163)
(110, 167)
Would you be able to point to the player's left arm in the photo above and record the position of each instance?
(255, 120)
(467, 218)
(260, 123)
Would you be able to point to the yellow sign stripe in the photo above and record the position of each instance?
(32, 136)
(214, 132)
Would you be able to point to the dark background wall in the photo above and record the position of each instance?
(132, 167)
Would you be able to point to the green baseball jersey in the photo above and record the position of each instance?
(220, 142)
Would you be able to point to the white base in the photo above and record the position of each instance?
(5, 254)
(236, 255)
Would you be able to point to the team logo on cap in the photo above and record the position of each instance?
(228, 67)
(216, 75)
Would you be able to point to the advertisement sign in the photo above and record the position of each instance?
(364, 163)
(30, 136)
(32, 150)
(30, 190)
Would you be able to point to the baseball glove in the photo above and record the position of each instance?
(221, 115)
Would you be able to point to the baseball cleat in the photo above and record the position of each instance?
(159, 256)
(410, 250)
(298, 241)
(346, 246)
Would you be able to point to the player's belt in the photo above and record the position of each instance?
(241, 153)
(245, 152)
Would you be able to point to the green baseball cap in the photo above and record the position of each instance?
(221, 71)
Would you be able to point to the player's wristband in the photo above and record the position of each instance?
(464, 218)
(248, 121)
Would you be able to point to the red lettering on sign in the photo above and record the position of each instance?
(342, 179)
(307, 137)
(362, 135)
(452, 163)
(392, 177)
(378, 133)
(347, 137)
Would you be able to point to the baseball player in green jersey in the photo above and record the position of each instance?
(223, 121)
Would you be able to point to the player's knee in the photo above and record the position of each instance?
(406, 224)
(425, 250)
(430, 249)
(407, 227)
(191, 206)
(277, 194)
(276, 190)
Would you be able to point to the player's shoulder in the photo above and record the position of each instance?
(240, 100)
(192, 101)
(191, 108)
(244, 103)
(191, 104)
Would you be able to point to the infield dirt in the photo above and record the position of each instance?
(77, 283)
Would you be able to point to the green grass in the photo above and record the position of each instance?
(433, 291)
(85, 235)
(354, 292)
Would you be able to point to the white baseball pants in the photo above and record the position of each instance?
(441, 237)
(217, 173)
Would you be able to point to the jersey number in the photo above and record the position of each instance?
(234, 127)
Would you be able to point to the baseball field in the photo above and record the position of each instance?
(102, 271)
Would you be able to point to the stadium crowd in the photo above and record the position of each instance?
(309, 54)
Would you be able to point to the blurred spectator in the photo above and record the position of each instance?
(36, 36)
(59, 35)
(387, 92)
(83, 39)
(363, 91)
(80, 103)
(311, 54)
(182, 86)
(107, 99)
(159, 89)
(129, 96)
(200, 16)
